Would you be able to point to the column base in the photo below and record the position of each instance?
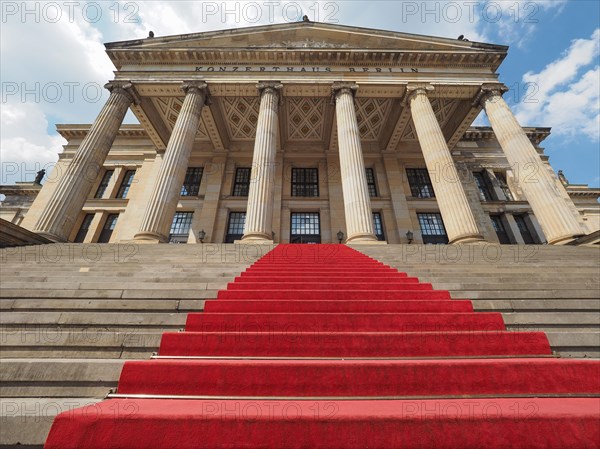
(254, 242)
(254, 237)
(564, 240)
(149, 237)
(368, 239)
(467, 239)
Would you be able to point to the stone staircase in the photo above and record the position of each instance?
(554, 289)
(72, 314)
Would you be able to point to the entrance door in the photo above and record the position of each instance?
(235, 226)
(432, 229)
(306, 227)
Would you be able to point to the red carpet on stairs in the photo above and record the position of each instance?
(320, 346)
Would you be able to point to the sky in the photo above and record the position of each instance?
(53, 64)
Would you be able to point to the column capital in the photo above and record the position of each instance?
(414, 89)
(196, 87)
(339, 88)
(264, 87)
(487, 91)
(124, 88)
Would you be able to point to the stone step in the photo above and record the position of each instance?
(26, 421)
(89, 343)
(171, 305)
(558, 319)
(471, 283)
(37, 377)
(575, 344)
(116, 344)
(107, 293)
(99, 277)
(107, 305)
(551, 305)
(32, 286)
(522, 294)
(115, 319)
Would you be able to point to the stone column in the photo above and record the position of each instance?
(556, 219)
(357, 204)
(459, 221)
(259, 214)
(165, 194)
(60, 212)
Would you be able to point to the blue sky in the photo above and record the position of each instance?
(53, 63)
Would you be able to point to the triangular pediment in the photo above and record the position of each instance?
(304, 42)
(305, 35)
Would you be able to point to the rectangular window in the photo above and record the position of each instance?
(305, 227)
(485, 193)
(524, 229)
(241, 185)
(235, 227)
(104, 183)
(504, 186)
(126, 184)
(500, 229)
(108, 228)
(191, 183)
(305, 182)
(85, 227)
(378, 226)
(180, 227)
(420, 184)
(371, 182)
(432, 228)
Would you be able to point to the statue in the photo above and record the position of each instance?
(563, 178)
(39, 177)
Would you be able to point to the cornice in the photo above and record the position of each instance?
(20, 189)
(227, 56)
(583, 191)
(81, 130)
(536, 135)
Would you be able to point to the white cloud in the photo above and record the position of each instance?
(566, 92)
(49, 64)
(516, 22)
(25, 144)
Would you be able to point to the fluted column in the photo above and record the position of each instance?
(553, 213)
(357, 203)
(458, 218)
(259, 214)
(60, 212)
(167, 188)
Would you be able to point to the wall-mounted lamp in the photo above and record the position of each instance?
(409, 236)
(201, 236)
(340, 236)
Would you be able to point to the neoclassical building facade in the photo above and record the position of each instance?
(307, 132)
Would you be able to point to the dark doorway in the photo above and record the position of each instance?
(235, 227)
(305, 227)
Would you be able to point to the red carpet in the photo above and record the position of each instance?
(319, 346)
